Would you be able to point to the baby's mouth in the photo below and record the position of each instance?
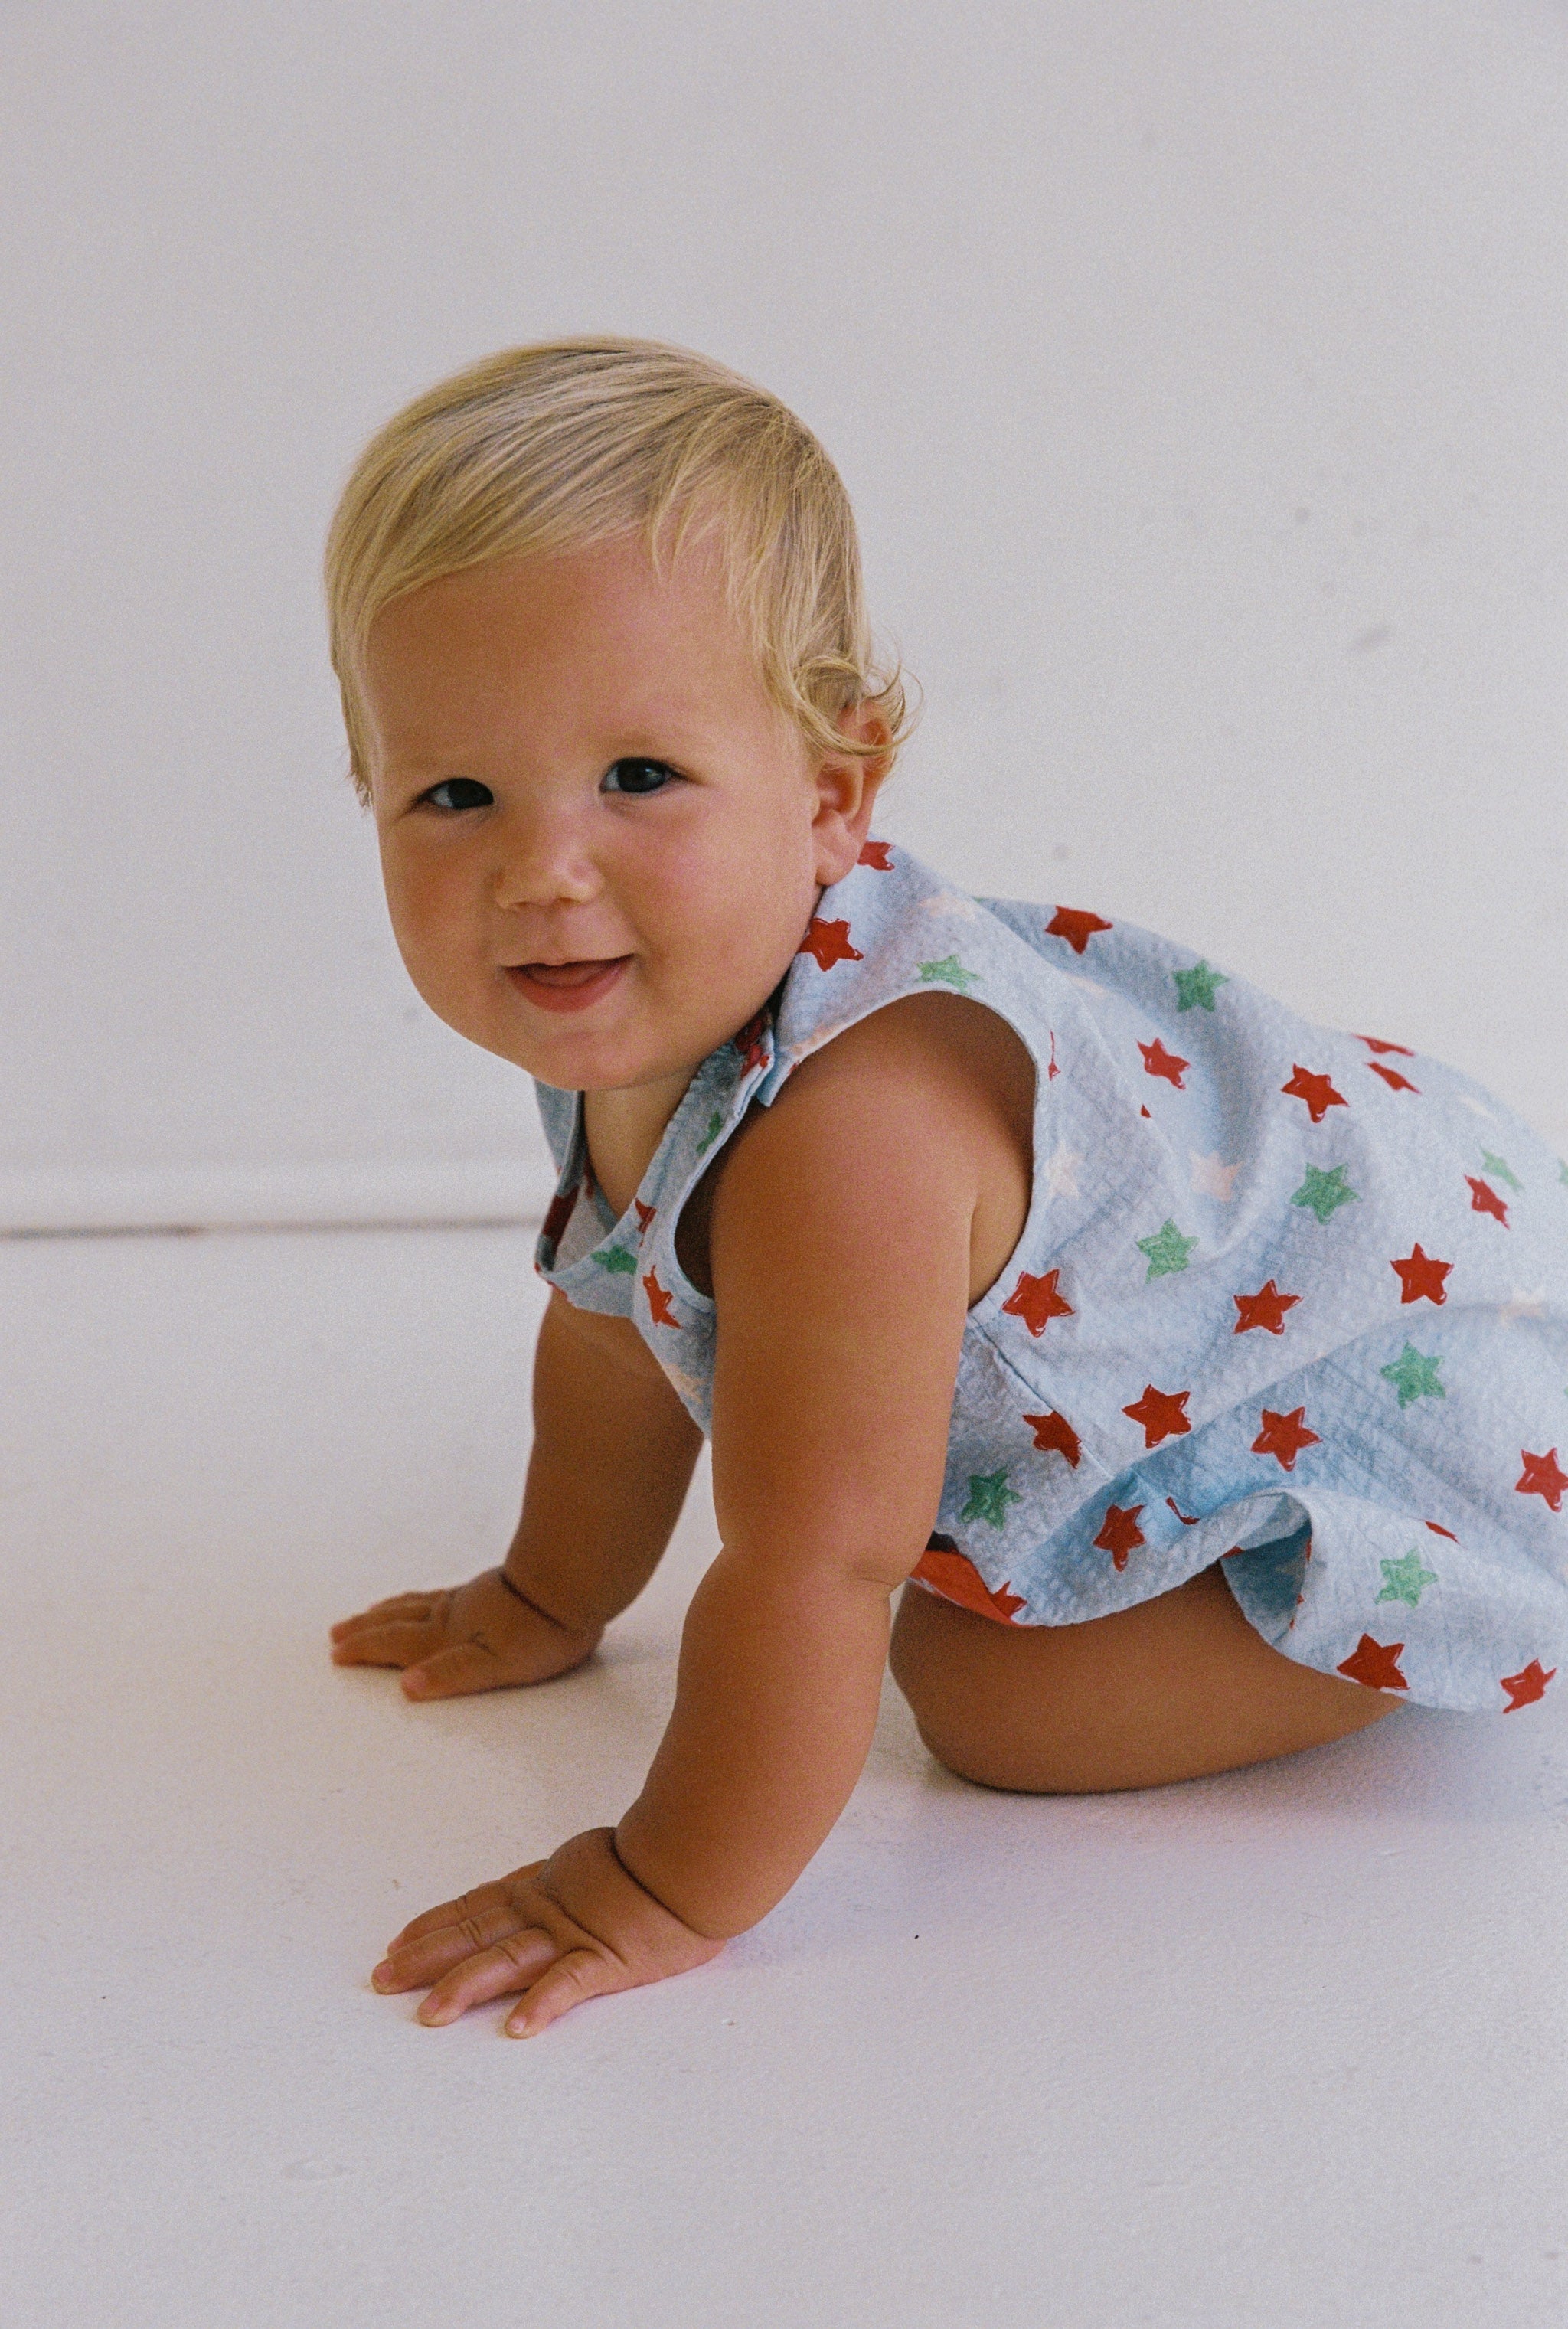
(567, 985)
(566, 974)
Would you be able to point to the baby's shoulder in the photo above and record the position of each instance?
(917, 1114)
(938, 1062)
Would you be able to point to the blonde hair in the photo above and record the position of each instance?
(568, 443)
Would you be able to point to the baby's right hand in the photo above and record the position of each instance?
(482, 1635)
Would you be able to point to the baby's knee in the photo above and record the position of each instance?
(941, 1658)
(1175, 1688)
(972, 1756)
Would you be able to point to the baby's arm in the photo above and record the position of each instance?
(840, 1259)
(840, 1254)
(612, 1458)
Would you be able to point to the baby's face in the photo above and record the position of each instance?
(601, 840)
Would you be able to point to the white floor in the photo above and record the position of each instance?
(1287, 2048)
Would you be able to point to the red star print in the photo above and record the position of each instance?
(1162, 1413)
(1053, 1430)
(1121, 1534)
(1527, 1686)
(645, 1214)
(1374, 1665)
(1158, 1062)
(1077, 928)
(1188, 1519)
(955, 1577)
(1543, 1476)
(1392, 1078)
(1484, 1199)
(1374, 1044)
(659, 1301)
(877, 853)
(1265, 1308)
(1421, 1277)
(1317, 1091)
(749, 1042)
(1052, 1072)
(1143, 1111)
(1036, 1301)
(1438, 1529)
(830, 943)
(1284, 1436)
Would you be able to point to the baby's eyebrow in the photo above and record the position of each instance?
(417, 771)
(414, 764)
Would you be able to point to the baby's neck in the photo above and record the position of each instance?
(623, 1128)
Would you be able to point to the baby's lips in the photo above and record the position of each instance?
(568, 986)
(569, 973)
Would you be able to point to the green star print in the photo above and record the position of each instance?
(1323, 1192)
(990, 1497)
(1198, 986)
(1414, 1376)
(715, 1124)
(1499, 1170)
(952, 971)
(1403, 1580)
(1167, 1252)
(615, 1258)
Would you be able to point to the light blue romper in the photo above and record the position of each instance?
(1289, 1299)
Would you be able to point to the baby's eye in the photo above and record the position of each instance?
(454, 793)
(637, 777)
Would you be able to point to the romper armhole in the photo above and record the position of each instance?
(1034, 1111)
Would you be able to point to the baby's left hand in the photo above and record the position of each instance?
(572, 1926)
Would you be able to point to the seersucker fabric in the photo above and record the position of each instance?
(1288, 1299)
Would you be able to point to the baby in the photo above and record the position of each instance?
(1198, 1372)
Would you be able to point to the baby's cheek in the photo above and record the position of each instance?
(749, 936)
(435, 936)
(757, 904)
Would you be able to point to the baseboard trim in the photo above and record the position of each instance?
(182, 1198)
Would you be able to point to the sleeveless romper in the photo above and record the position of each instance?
(1285, 1298)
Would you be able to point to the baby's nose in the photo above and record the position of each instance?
(542, 862)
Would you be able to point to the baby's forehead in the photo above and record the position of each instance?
(596, 644)
(577, 603)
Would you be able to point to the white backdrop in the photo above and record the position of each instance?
(1198, 370)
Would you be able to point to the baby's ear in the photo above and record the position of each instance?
(846, 789)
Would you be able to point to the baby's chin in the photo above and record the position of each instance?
(575, 1056)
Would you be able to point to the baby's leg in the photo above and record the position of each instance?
(1173, 1688)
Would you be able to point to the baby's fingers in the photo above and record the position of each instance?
(450, 1672)
(396, 1642)
(580, 1974)
(511, 1965)
(401, 1605)
(431, 1956)
(466, 1912)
